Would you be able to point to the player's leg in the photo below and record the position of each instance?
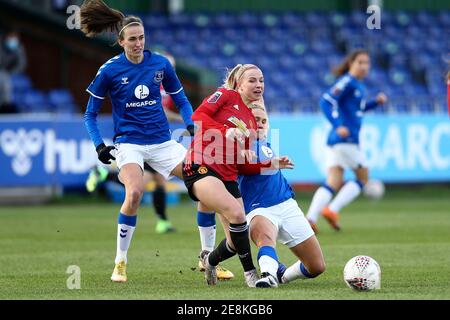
(212, 193)
(297, 234)
(159, 202)
(350, 191)
(324, 194)
(264, 234)
(310, 264)
(131, 177)
(352, 157)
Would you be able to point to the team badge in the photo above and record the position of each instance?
(267, 151)
(215, 97)
(202, 170)
(159, 76)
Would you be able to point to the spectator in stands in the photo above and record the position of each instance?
(12, 61)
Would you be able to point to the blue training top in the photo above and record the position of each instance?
(344, 105)
(134, 90)
(264, 190)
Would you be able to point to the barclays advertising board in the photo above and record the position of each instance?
(42, 150)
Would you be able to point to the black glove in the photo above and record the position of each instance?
(190, 128)
(104, 154)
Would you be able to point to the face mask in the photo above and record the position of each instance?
(12, 43)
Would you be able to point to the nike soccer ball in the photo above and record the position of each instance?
(374, 189)
(362, 273)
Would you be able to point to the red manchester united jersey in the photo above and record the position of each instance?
(217, 113)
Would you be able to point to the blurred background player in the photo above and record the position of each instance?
(132, 80)
(344, 106)
(273, 214)
(12, 61)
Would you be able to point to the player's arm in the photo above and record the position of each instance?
(97, 89)
(331, 99)
(372, 104)
(173, 87)
(90, 120)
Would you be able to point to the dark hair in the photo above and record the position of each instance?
(345, 65)
(96, 17)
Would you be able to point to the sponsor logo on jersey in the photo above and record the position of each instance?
(141, 91)
(141, 104)
(159, 76)
(202, 170)
(215, 97)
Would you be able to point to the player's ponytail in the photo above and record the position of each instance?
(96, 17)
(234, 75)
(344, 67)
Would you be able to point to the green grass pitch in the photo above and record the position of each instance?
(408, 233)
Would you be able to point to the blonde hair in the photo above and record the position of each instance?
(259, 104)
(234, 75)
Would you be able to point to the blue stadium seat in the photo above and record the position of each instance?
(62, 101)
(35, 101)
(20, 83)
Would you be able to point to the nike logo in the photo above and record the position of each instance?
(255, 204)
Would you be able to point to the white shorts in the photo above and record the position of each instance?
(162, 157)
(345, 155)
(288, 218)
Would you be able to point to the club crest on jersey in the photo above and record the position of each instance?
(267, 151)
(202, 170)
(215, 97)
(159, 76)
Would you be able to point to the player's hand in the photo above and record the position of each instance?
(282, 163)
(381, 98)
(191, 129)
(248, 155)
(104, 154)
(342, 132)
(235, 134)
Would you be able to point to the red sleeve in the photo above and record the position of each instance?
(205, 112)
(249, 169)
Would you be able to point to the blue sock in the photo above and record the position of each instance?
(305, 272)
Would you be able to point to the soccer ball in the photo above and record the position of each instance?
(362, 273)
(374, 189)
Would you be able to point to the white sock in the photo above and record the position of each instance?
(268, 264)
(347, 194)
(296, 271)
(124, 235)
(207, 237)
(321, 198)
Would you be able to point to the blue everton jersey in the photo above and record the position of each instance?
(344, 105)
(264, 190)
(134, 90)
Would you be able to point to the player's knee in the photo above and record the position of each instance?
(317, 268)
(134, 195)
(234, 214)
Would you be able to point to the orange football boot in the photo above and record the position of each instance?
(332, 218)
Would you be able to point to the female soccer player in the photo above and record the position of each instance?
(273, 214)
(210, 170)
(142, 133)
(344, 106)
